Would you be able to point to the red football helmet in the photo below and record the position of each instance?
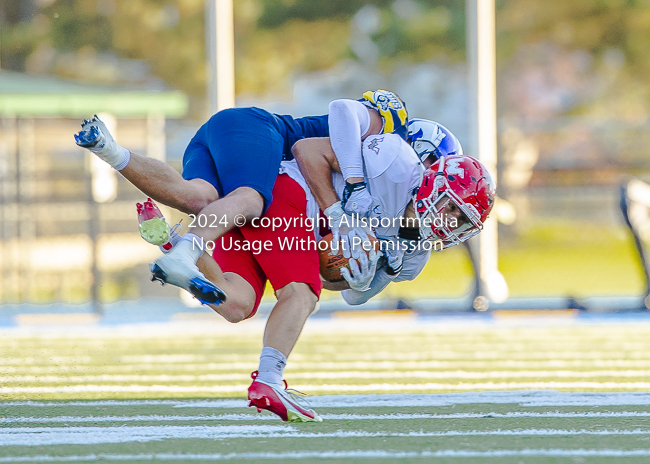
(454, 199)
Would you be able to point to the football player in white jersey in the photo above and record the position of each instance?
(392, 172)
(401, 189)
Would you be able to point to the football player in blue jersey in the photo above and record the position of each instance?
(230, 167)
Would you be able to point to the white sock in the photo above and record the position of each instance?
(196, 245)
(272, 364)
(120, 162)
(118, 157)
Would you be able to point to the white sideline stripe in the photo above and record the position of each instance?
(451, 350)
(379, 454)
(298, 366)
(46, 436)
(384, 387)
(538, 353)
(256, 417)
(523, 398)
(325, 375)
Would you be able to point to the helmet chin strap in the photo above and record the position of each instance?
(439, 179)
(441, 167)
(438, 183)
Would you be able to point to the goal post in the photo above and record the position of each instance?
(490, 286)
(220, 51)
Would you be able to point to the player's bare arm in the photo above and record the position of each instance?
(316, 160)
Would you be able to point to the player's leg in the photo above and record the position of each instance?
(296, 302)
(154, 178)
(155, 230)
(236, 209)
(294, 274)
(242, 302)
(238, 274)
(293, 270)
(246, 150)
(164, 184)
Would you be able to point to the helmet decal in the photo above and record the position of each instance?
(391, 109)
(455, 169)
(418, 135)
(432, 139)
(439, 136)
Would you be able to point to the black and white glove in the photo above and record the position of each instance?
(95, 136)
(361, 271)
(395, 251)
(356, 199)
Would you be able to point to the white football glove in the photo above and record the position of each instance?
(354, 240)
(361, 272)
(345, 228)
(334, 213)
(95, 137)
(356, 199)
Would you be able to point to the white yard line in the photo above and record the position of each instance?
(536, 354)
(350, 375)
(524, 398)
(378, 387)
(359, 454)
(346, 417)
(44, 436)
(299, 367)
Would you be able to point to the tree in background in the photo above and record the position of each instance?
(160, 43)
(156, 43)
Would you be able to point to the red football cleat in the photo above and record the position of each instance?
(154, 228)
(283, 403)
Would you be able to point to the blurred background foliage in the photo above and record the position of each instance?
(585, 61)
(161, 43)
(155, 42)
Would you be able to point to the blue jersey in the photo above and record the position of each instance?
(243, 147)
(293, 129)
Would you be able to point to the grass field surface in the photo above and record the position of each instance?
(392, 389)
(554, 258)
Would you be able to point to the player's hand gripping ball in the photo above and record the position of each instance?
(332, 260)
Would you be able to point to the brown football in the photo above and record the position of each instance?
(331, 264)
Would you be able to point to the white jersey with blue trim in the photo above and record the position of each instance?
(392, 172)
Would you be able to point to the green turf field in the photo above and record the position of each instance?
(393, 389)
(553, 258)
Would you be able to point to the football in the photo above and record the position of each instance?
(331, 262)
